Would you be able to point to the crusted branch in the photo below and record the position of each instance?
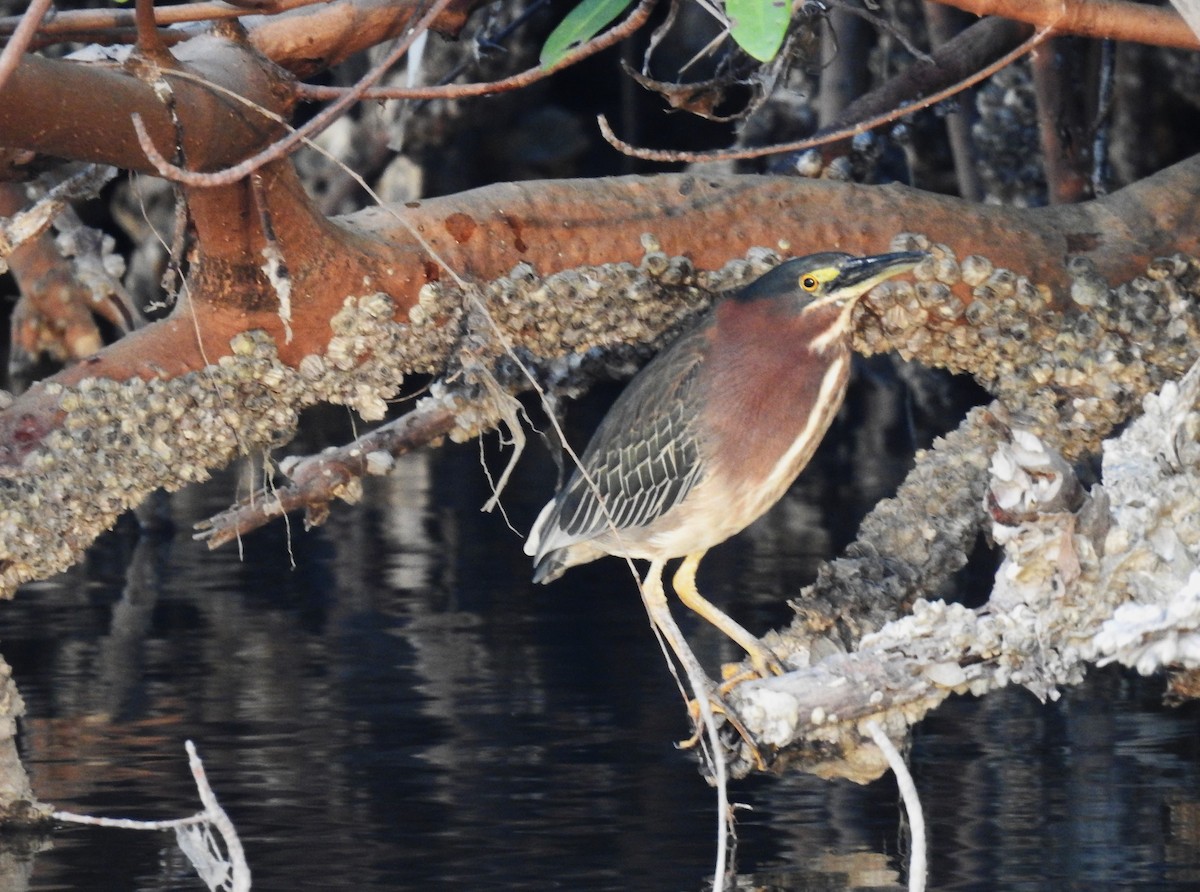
(315, 481)
(1112, 574)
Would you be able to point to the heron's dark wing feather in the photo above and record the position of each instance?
(644, 457)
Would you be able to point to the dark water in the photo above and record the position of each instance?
(404, 710)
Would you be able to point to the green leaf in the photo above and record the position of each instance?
(582, 23)
(759, 26)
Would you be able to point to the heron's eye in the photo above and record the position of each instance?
(809, 283)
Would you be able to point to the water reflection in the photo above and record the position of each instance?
(405, 710)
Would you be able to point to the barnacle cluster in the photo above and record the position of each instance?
(925, 533)
(1045, 604)
(1109, 574)
(1006, 139)
(1151, 551)
(1112, 573)
(1072, 369)
(119, 440)
(564, 327)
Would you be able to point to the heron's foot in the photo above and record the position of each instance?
(719, 708)
(764, 663)
(732, 675)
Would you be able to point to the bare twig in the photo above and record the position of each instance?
(831, 136)
(68, 24)
(461, 91)
(21, 38)
(319, 479)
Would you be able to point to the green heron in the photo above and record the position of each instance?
(712, 432)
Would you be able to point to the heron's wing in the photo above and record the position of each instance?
(643, 459)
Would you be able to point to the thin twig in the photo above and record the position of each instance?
(462, 91)
(674, 156)
(68, 24)
(28, 26)
(319, 479)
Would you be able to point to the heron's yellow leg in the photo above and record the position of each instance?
(764, 662)
(659, 612)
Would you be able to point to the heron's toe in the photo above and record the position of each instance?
(764, 663)
(719, 707)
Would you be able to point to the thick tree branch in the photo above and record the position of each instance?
(397, 311)
(72, 22)
(1107, 575)
(86, 108)
(1114, 19)
(314, 38)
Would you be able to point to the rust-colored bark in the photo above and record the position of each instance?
(561, 224)
(228, 291)
(84, 111)
(1065, 118)
(314, 38)
(86, 108)
(1115, 19)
